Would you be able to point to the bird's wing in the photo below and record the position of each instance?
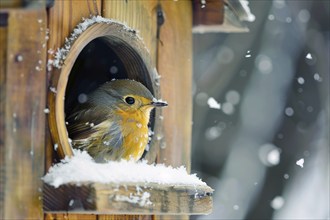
(91, 126)
(113, 137)
(83, 123)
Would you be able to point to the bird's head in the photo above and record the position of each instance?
(127, 96)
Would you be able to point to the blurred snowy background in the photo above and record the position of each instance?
(265, 147)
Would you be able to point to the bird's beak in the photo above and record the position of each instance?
(159, 103)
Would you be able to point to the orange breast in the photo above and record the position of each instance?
(135, 134)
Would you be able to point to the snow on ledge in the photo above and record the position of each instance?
(81, 168)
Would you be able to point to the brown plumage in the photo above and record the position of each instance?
(113, 123)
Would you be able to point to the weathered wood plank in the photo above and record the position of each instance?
(128, 199)
(175, 68)
(63, 17)
(24, 115)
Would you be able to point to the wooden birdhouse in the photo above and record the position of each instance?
(52, 54)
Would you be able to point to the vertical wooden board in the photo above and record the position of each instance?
(175, 68)
(24, 115)
(62, 18)
(65, 15)
(140, 15)
(3, 54)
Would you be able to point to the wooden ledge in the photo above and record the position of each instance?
(96, 198)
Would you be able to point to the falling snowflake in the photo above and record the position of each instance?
(300, 162)
(213, 103)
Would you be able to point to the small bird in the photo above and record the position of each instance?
(112, 124)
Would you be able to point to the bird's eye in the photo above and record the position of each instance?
(130, 100)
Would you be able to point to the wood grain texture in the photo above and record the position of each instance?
(128, 199)
(175, 68)
(63, 17)
(24, 116)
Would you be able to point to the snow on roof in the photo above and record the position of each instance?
(249, 16)
(81, 168)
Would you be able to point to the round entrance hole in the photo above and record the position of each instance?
(103, 59)
(101, 53)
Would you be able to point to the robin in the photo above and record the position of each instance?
(112, 123)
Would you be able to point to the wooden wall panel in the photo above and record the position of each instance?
(175, 68)
(24, 104)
